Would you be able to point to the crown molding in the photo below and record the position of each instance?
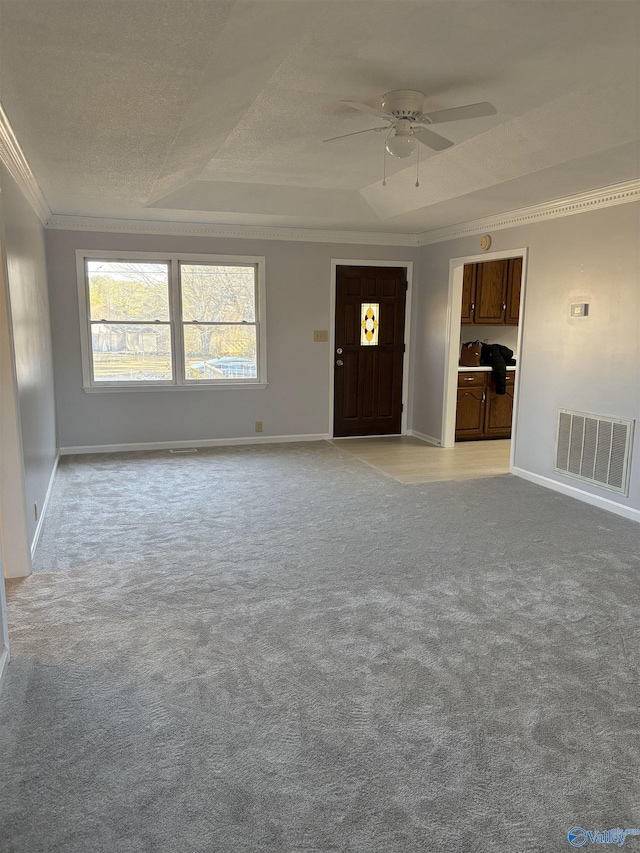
(244, 232)
(592, 200)
(12, 155)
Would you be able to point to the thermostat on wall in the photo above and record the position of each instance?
(580, 309)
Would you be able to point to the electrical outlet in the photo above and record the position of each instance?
(35, 511)
(320, 336)
(258, 426)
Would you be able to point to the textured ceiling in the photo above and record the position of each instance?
(214, 111)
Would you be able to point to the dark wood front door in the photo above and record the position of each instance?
(368, 359)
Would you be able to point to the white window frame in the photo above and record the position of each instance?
(175, 319)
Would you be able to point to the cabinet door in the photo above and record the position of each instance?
(499, 410)
(470, 413)
(514, 278)
(491, 293)
(468, 293)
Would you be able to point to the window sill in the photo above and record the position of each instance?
(127, 389)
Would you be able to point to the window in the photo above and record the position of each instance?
(129, 321)
(219, 321)
(150, 320)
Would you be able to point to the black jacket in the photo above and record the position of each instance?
(497, 357)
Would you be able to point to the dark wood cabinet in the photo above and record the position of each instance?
(514, 280)
(491, 293)
(481, 413)
(498, 409)
(468, 294)
(471, 405)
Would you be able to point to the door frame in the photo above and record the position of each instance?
(452, 343)
(406, 361)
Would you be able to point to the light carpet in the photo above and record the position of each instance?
(275, 649)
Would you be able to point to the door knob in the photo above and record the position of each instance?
(339, 362)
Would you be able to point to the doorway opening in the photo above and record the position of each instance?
(483, 404)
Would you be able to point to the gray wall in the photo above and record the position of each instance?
(505, 335)
(590, 364)
(24, 249)
(14, 536)
(296, 401)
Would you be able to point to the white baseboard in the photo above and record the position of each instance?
(45, 503)
(4, 662)
(424, 437)
(573, 492)
(210, 442)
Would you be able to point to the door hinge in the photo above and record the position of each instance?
(406, 285)
(402, 407)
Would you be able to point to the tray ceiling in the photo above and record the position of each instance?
(213, 111)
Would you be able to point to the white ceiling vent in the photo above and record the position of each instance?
(594, 448)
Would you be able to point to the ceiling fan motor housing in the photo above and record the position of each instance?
(403, 127)
(403, 104)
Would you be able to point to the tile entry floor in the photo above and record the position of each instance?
(409, 460)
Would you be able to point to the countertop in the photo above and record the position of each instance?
(481, 368)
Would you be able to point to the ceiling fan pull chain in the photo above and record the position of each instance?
(384, 159)
(418, 167)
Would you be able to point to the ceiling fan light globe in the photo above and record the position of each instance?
(402, 146)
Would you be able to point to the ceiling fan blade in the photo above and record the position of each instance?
(432, 140)
(458, 113)
(365, 108)
(355, 133)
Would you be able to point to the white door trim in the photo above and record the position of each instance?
(406, 361)
(452, 346)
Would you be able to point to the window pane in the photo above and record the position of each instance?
(218, 294)
(131, 353)
(119, 290)
(370, 316)
(220, 352)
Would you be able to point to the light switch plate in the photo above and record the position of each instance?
(320, 336)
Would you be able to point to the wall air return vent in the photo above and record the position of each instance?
(595, 449)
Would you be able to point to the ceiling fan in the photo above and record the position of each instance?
(408, 124)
